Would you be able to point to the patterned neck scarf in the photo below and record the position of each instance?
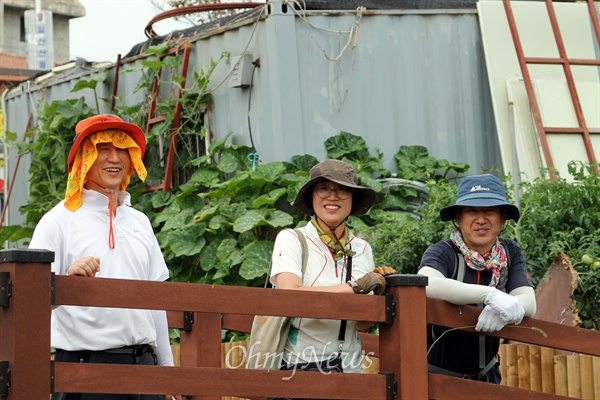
(496, 260)
(335, 248)
(87, 154)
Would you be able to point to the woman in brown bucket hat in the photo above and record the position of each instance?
(337, 262)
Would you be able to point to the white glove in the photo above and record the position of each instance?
(509, 307)
(489, 321)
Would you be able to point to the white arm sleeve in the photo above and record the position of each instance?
(451, 290)
(526, 296)
(163, 344)
(459, 293)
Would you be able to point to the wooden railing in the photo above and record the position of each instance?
(28, 290)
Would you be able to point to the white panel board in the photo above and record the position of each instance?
(556, 109)
(556, 106)
(566, 148)
(537, 40)
(527, 156)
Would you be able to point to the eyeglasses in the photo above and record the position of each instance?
(325, 191)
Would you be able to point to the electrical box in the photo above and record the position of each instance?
(241, 72)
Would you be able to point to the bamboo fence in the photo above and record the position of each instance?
(550, 371)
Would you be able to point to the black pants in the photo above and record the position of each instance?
(140, 355)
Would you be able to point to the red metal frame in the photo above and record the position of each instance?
(176, 119)
(566, 63)
(186, 47)
(155, 119)
(149, 30)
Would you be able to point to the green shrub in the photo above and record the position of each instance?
(564, 216)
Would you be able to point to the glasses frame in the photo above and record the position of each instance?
(320, 188)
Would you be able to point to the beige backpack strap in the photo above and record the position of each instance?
(304, 246)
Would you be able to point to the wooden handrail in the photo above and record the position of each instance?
(531, 330)
(127, 293)
(28, 290)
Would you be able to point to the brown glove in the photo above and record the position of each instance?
(385, 270)
(369, 282)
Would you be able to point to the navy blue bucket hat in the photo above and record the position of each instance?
(481, 191)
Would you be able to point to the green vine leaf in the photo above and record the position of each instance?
(181, 245)
(280, 219)
(258, 257)
(250, 220)
(269, 198)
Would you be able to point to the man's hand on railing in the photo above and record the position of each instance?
(85, 266)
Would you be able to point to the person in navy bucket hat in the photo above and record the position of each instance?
(481, 191)
(477, 267)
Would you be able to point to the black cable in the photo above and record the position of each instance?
(256, 64)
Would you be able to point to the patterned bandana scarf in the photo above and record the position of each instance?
(87, 154)
(335, 248)
(496, 260)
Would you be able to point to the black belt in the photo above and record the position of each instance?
(135, 350)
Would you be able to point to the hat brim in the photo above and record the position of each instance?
(449, 213)
(367, 196)
(136, 133)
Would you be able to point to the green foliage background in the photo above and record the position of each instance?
(218, 223)
(563, 215)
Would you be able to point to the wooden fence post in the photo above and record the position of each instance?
(25, 299)
(403, 343)
(202, 345)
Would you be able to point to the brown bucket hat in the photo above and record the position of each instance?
(341, 173)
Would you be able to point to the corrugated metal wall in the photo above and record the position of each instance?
(411, 79)
(406, 78)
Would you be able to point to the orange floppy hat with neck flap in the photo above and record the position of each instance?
(102, 122)
(101, 129)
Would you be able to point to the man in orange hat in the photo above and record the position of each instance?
(94, 232)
